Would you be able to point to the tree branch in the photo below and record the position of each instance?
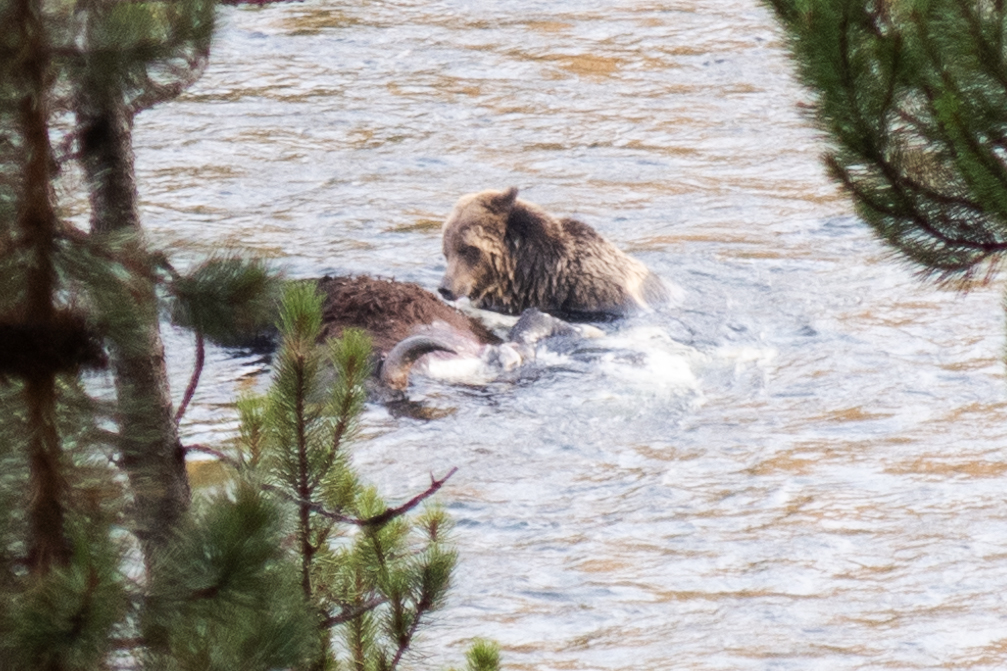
(186, 76)
(378, 520)
(221, 456)
(347, 614)
(391, 513)
(421, 609)
(194, 380)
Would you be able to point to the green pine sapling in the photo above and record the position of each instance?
(370, 573)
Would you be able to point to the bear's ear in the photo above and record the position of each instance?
(504, 202)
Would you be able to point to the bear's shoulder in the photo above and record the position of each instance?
(578, 230)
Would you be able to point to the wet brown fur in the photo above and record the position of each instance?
(509, 255)
(388, 310)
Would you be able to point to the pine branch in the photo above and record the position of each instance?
(483, 656)
(302, 442)
(347, 614)
(186, 76)
(388, 515)
(989, 56)
(197, 371)
(913, 97)
(422, 608)
(304, 490)
(349, 356)
(373, 521)
(921, 222)
(226, 298)
(118, 249)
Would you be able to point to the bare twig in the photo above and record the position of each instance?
(194, 380)
(391, 513)
(197, 370)
(221, 456)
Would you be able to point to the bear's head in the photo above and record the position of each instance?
(473, 239)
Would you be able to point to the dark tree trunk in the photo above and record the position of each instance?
(48, 545)
(152, 454)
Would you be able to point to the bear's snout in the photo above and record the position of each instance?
(446, 293)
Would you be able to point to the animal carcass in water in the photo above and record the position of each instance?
(406, 322)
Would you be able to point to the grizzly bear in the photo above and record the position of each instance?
(509, 255)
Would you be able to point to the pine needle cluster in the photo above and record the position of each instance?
(912, 95)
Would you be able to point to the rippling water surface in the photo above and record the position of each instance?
(798, 466)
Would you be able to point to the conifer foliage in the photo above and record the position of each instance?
(88, 512)
(104, 560)
(913, 97)
(370, 573)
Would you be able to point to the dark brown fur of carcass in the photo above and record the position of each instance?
(389, 311)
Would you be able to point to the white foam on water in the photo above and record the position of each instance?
(760, 356)
(648, 358)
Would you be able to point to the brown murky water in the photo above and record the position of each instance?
(800, 466)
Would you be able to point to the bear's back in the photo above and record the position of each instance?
(607, 280)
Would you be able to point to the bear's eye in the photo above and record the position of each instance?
(470, 254)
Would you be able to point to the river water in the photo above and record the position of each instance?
(798, 465)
